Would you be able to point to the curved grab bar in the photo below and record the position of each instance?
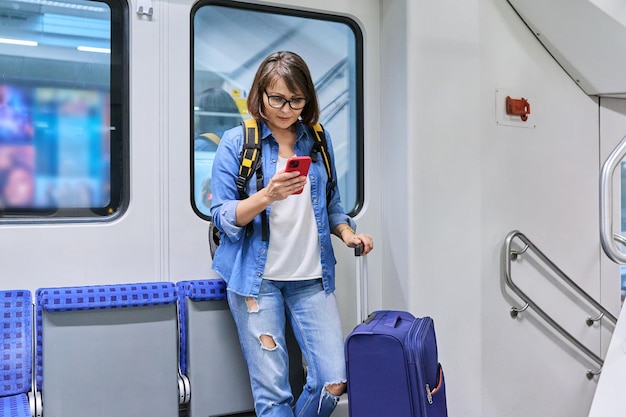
(511, 255)
(620, 239)
(606, 204)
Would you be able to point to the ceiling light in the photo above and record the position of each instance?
(92, 49)
(66, 5)
(18, 42)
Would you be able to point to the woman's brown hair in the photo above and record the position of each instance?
(294, 71)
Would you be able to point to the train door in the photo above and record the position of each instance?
(612, 122)
(224, 43)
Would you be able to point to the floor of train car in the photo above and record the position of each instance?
(183, 411)
(341, 410)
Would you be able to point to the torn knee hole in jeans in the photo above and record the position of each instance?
(267, 342)
(336, 389)
(332, 391)
(253, 305)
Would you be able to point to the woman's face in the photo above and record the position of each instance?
(284, 117)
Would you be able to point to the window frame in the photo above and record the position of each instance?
(359, 89)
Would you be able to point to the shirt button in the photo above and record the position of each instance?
(315, 201)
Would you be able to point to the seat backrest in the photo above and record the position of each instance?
(196, 290)
(16, 344)
(210, 356)
(108, 350)
(100, 297)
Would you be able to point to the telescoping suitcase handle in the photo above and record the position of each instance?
(361, 284)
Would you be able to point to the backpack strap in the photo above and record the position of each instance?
(250, 156)
(320, 146)
(251, 163)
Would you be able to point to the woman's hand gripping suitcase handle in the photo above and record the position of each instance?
(353, 239)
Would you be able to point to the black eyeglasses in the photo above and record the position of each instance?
(278, 102)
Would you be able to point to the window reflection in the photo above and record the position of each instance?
(215, 112)
(57, 129)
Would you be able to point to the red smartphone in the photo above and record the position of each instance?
(300, 164)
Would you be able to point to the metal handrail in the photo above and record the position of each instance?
(620, 239)
(606, 204)
(511, 255)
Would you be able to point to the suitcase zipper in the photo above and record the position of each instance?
(429, 392)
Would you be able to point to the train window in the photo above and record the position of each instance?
(229, 42)
(62, 109)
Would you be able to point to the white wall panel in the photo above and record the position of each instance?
(542, 181)
(470, 182)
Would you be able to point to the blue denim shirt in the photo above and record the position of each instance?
(240, 258)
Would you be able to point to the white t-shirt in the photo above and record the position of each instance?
(294, 248)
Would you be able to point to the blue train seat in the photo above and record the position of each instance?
(108, 350)
(16, 350)
(210, 355)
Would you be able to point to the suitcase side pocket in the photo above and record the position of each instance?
(439, 381)
(437, 397)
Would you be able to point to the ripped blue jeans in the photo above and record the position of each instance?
(317, 327)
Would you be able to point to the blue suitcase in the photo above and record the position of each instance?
(392, 365)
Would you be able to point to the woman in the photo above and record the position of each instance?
(291, 275)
